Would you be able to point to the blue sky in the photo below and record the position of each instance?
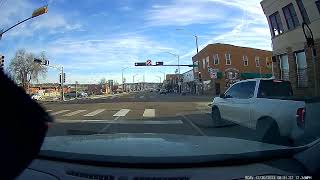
(95, 39)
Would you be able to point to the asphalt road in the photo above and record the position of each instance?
(140, 112)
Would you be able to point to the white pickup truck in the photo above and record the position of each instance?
(266, 105)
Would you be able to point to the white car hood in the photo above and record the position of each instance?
(153, 145)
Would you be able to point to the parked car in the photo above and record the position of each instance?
(263, 104)
(163, 91)
(36, 97)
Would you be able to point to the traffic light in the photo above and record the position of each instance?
(46, 62)
(64, 77)
(60, 78)
(1, 62)
(140, 64)
(159, 63)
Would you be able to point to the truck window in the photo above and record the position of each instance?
(274, 89)
(243, 90)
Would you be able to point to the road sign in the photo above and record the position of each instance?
(149, 62)
(214, 75)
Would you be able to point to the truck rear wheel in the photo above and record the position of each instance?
(268, 131)
(216, 117)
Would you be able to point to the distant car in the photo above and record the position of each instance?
(163, 91)
(82, 94)
(36, 97)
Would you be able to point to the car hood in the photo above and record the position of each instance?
(153, 145)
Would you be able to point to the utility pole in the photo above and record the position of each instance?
(76, 89)
(62, 79)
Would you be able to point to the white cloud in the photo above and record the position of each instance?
(181, 13)
(250, 29)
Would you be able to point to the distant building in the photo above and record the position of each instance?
(95, 89)
(293, 57)
(220, 65)
(188, 84)
(172, 81)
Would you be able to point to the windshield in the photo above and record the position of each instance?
(103, 69)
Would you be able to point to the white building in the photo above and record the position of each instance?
(188, 84)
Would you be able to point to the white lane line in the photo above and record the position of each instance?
(149, 122)
(149, 113)
(109, 122)
(122, 112)
(108, 125)
(193, 125)
(93, 113)
(60, 112)
(74, 113)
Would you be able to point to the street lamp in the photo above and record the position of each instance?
(35, 13)
(159, 78)
(133, 77)
(60, 68)
(197, 46)
(194, 35)
(177, 56)
(122, 77)
(164, 75)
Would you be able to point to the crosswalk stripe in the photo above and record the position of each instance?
(122, 112)
(74, 113)
(149, 113)
(163, 122)
(60, 112)
(93, 113)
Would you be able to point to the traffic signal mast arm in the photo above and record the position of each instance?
(144, 64)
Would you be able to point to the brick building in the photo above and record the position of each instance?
(220, 65)
(293, 58)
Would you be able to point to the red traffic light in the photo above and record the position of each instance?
(159, 63)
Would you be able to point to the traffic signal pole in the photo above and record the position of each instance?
(62, 79)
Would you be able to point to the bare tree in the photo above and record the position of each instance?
(23, 69)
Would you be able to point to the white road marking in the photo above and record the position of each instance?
(49, 110)
(149, 122)
(122, 112)
(93, 113)
(60, 112)
(149, 113)
(74, 113)
(108, 125)
(109, 122)
(193, 125)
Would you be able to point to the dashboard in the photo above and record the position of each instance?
(302, 165)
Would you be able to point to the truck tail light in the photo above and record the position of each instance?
(301, 113)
